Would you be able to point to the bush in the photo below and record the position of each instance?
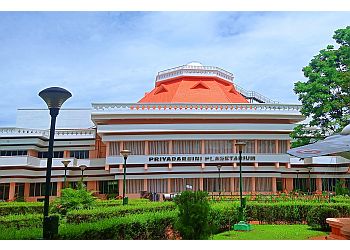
(317, 216)
(7, 208)
(222, 216)
(137, 226)
(193, 217)
(98, 213)
(22, 221)
(72, 199)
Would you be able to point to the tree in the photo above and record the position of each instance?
(325, 96)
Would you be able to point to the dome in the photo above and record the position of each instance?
(195, 64)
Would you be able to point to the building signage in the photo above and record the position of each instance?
(200, 159)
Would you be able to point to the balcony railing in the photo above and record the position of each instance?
(197, 107)
(59, 133)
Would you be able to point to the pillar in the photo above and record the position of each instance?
(203, 151)
(169, 186)
(121, 147)
(201, 186)
(145, 185)
(66, 154)
(26, 190)
(256, 146)
(289, 184)
(107, 154)
(32, 153)
(59, 188)
(170, 152)
(253, 184)
(232, 184)
(120, 187)
(146, 153)
(91, 185)
(276, 147)
(12, 191)
(318, 185)
(274, 185)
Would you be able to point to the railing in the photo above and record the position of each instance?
(194, 70)
(46, 133)
(248, 107)
(253, 95)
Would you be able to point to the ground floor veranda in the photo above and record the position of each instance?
(135, 187)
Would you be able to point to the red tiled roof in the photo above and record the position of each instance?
(194, 89)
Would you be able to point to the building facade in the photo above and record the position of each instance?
(178, 135)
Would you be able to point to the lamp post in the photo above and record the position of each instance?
(297, 182)
(309, 168)
(54, 98)
(65, 163)
(125, 153)
(219, 168)
(241, 225)
(82, 168)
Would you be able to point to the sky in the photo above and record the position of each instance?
(115, 56)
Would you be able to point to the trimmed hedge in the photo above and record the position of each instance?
(317, 216)
(109, 203)
(22, 220)
(95, 214)
(7, 208)
(137, 226)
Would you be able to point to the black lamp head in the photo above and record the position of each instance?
(54, 96)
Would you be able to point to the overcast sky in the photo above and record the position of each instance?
(115, 56)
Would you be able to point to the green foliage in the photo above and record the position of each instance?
(340, 188)
(325, 96)
(72, 199)
(222, 216)
(145, 226)
(193, 217)
(22, 220)
(98, 213)
(7, 208)
(317, 216)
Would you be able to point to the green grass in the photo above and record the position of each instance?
(272, 232)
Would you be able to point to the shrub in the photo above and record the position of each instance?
(98, 213)
(72, 199)
(222, 216)
(193, 217)
(317, 216)
(22, 221)
(7, 208)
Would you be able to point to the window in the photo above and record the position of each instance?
(13, 152)
(187, 147)
(4, 191)
(158, 147)
(19, 191)
(136, 147)
(114, 148)
(246, 184)
(328, 184)
(267, 146)
(56, 154)
(80, 154)
(134, 186)
(303, 184)
(38, 189)
(282, 147)
(218, 147)
(212, 184)
(108, 187)
(263, 184)
(157, 186)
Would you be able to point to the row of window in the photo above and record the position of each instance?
(195, 147)
(79, 154)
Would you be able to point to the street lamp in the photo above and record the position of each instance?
(125, 153)
(309, 168)
(82, 168)
(54, 98)
(241, 225)
(65, 163)
(219, 168)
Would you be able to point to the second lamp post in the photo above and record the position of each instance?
(125, 153)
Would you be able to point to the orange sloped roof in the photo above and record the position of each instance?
(194, 90)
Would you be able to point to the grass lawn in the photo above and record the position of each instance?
(272, 232)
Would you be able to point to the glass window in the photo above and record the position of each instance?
(158, 147)
(4, 191)
(80, 154)
(108, 187)
(19, 191)
(218, 147)
(38, 189)
(56, 154)
(187, 147)
(13, 152)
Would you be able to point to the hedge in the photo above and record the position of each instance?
(95, 214)
(7, 208)
(22, 220)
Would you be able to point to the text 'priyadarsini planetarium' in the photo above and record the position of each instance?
(183, 133)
